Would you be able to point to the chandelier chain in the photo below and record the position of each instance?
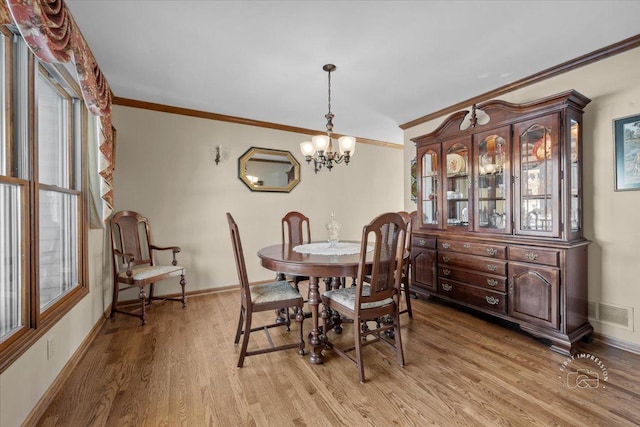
(329, 92)
(329, 115)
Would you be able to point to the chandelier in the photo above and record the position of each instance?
(320, 148)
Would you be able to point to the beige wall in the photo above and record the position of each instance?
(610, 217)
(165, 170)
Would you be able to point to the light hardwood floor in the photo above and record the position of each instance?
(461, 369)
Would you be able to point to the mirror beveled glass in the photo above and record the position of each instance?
(265, 169)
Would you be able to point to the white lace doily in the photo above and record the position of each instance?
(324, 248)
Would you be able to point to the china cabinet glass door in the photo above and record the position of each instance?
(493, 214)
(537, 177)
(457, 185)
(429, 171)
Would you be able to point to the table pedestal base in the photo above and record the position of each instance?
(315, 339)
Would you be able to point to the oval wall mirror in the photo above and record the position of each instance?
(265, 169)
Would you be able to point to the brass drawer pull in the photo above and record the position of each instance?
(422, 242)
(446, 259)
(446, 245)
(446, 271)
(492, 251)
(531, 256)
(492, 267)
(491, 300)
(447, 287)
(492, 282)
(466, 246)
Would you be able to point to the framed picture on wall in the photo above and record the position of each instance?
(626, 132)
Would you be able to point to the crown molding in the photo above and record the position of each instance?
(126, 102)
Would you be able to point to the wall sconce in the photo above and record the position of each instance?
(217, 159)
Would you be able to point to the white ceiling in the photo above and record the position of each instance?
(397, 60)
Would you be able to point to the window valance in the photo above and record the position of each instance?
(54, 37)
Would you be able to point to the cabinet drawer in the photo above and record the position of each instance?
(494, 251)
(478, 297)
(534, 255)
(423, 242)
(488, 281)
(492, 266)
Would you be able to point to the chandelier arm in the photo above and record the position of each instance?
(341, 158)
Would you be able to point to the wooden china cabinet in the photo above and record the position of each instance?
(500, 215)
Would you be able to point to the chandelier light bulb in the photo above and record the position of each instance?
(307, 148)
(321, 142)
(347, 143)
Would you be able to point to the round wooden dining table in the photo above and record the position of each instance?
(283, 259)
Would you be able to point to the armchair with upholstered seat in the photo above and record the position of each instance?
(134, 262)
(376, 294)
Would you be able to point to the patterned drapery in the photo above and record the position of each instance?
(5, 16)
(53, 36)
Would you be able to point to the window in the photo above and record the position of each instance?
(58, 220)
(42, 197)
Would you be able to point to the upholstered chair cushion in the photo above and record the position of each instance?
(347, 297)
(142, 273)
(271, 292)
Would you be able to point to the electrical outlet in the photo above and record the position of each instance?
(50, 348)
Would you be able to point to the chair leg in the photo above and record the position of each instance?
(407, 297)
(150, 298)
(296, 280)
(114, 300)
(327, 283)
(396, 328)
(143, 296)
(280, 315)
(239, 330)
(287, 319)
(358, 348)
(183, 284)
(364, 328)
(300, 320)
(245, 339)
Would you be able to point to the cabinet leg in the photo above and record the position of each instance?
(588, 339)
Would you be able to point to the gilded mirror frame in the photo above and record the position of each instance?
(266, 157)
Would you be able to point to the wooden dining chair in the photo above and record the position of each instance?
(295, 231)
(134, 263)
(376, 294)
(406, 266)
(263, 297)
